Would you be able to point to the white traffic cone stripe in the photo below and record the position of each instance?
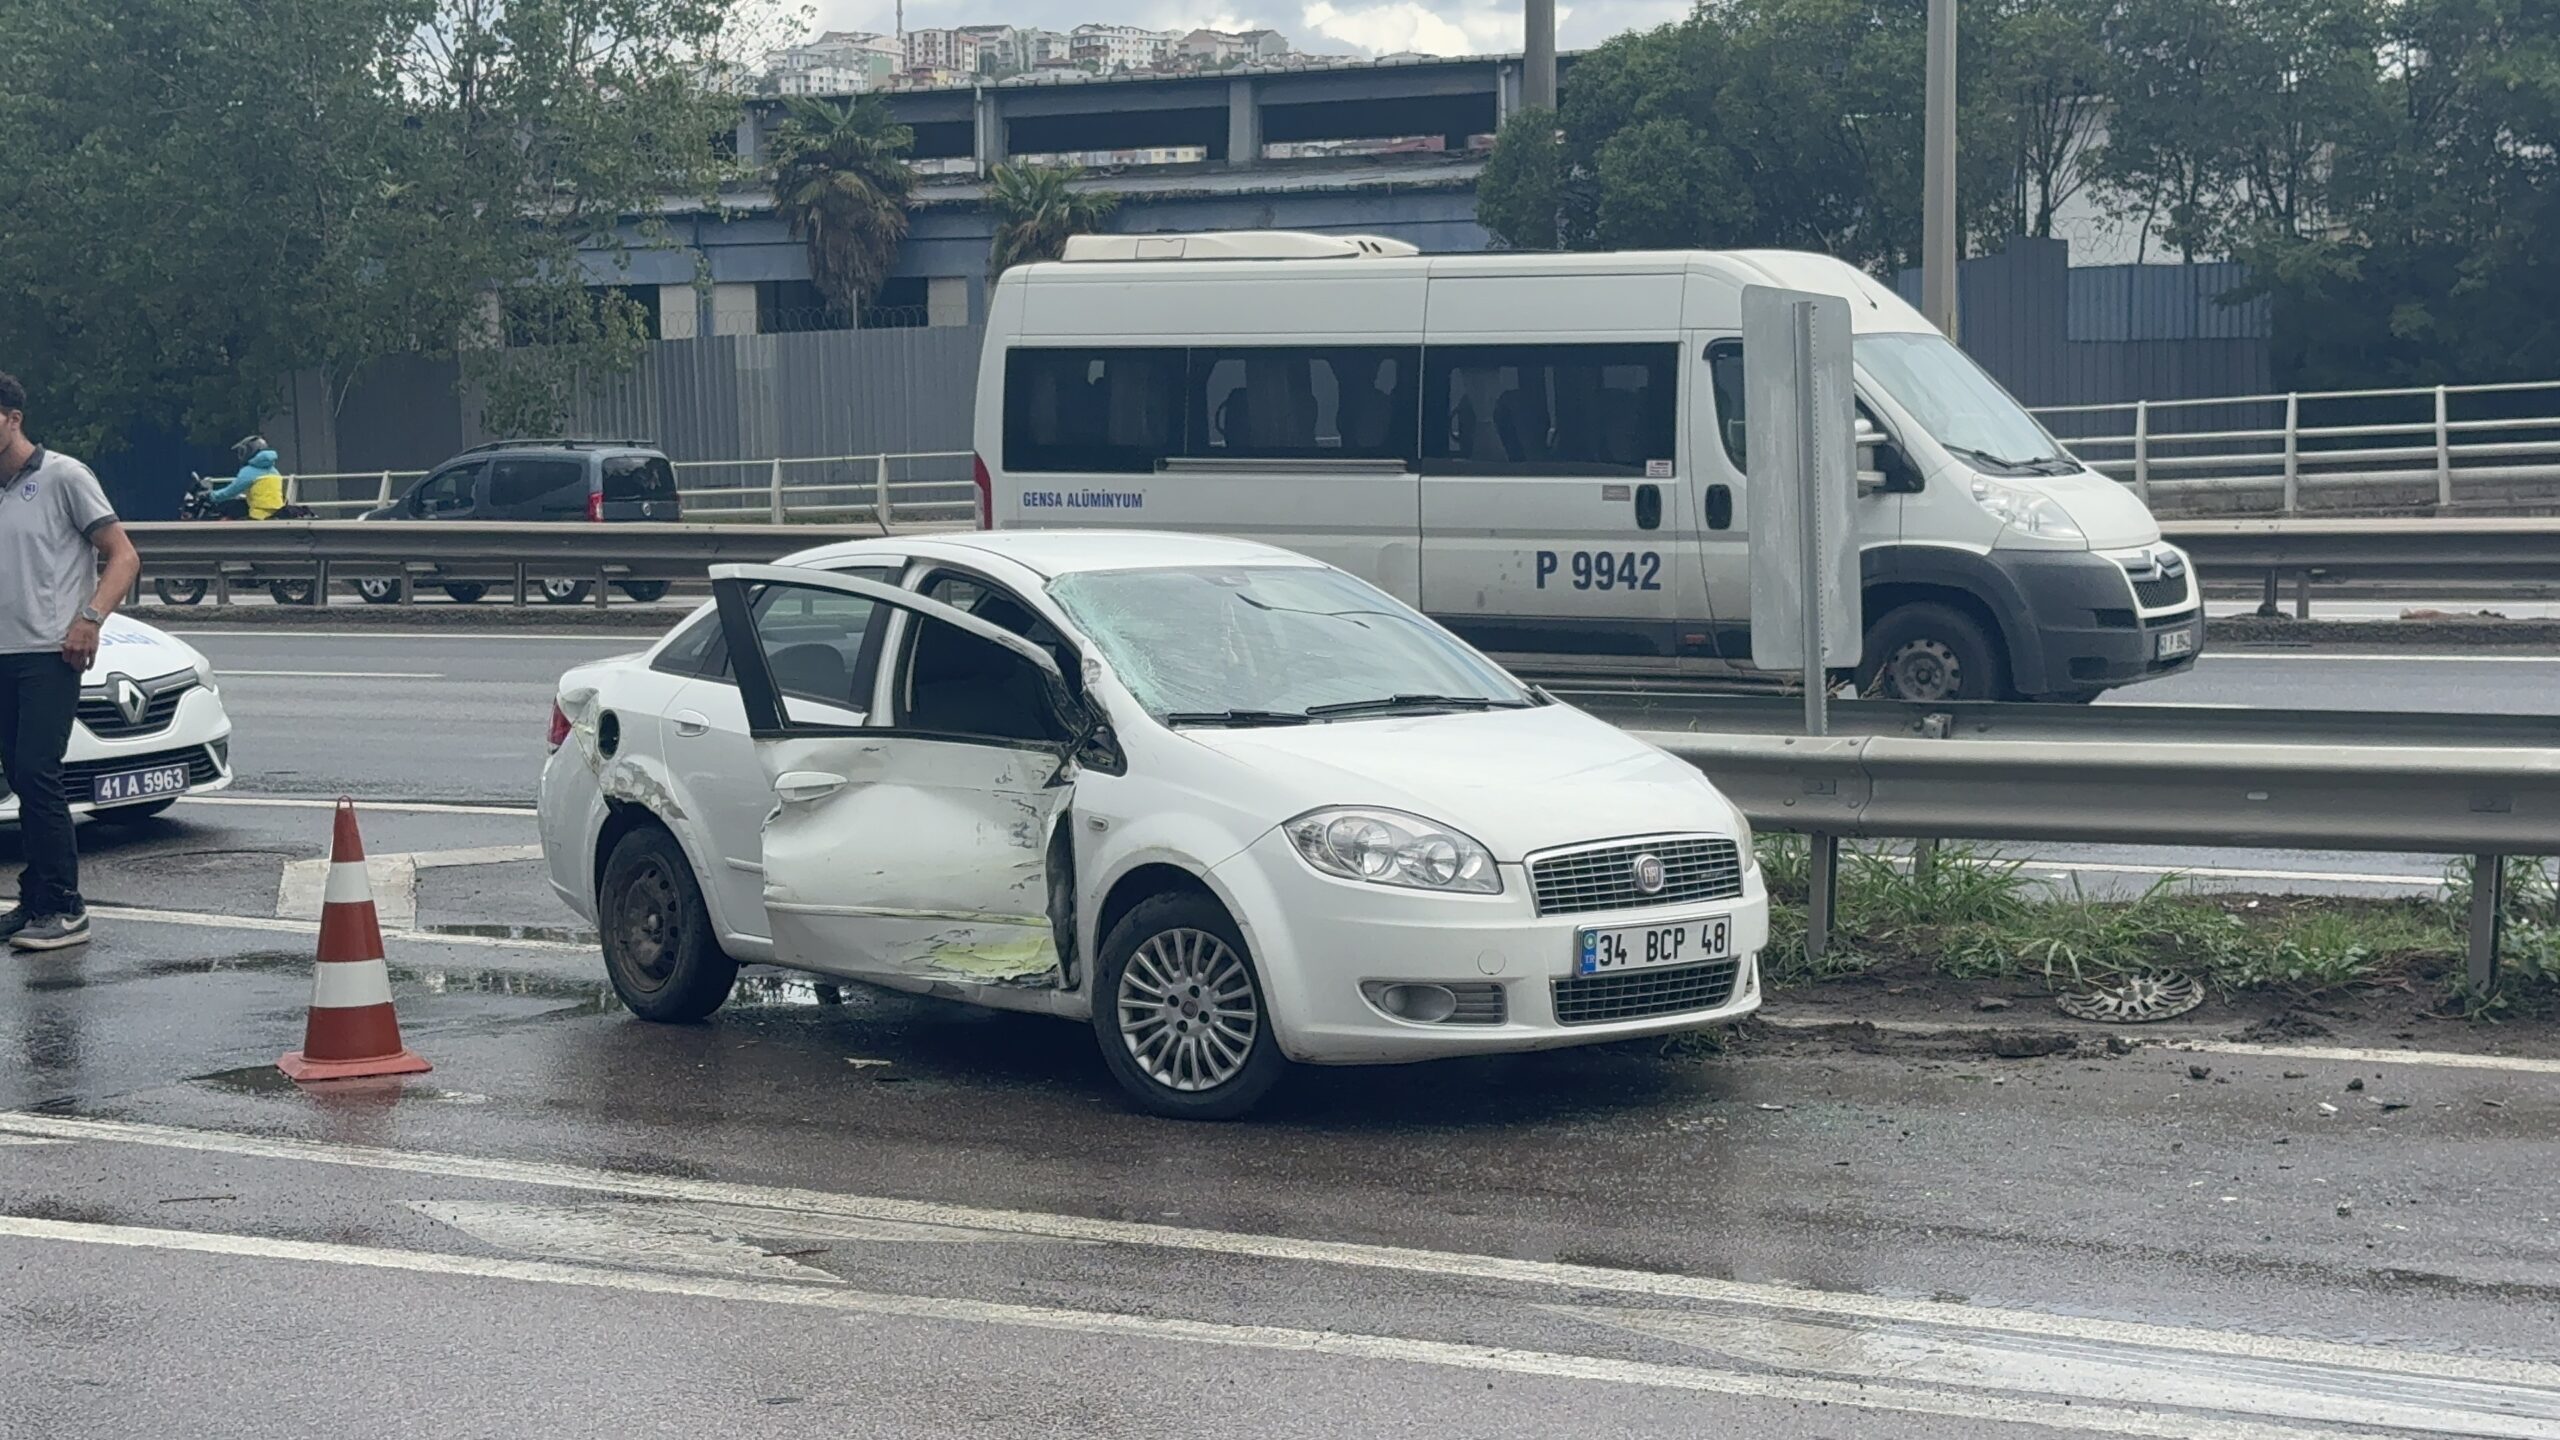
(350, 984)
(348, 884)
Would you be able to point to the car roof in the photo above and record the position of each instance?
(1052, 553)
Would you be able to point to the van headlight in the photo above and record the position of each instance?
(1389, 847)
(2029, 510)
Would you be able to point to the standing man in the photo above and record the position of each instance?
(55, 526)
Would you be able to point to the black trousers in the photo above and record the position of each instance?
(38, 696)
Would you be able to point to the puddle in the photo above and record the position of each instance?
(551, 934)
(782, 989)
(248, 1080)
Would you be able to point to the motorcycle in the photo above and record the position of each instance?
(198, 504)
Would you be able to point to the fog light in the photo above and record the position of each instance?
(1421, 1004)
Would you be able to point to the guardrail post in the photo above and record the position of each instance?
(383, 496)
(2488, 912)
(519, 584)
(2142, 450)
(1822, 884)
(2301, 594)
(2444, 455)
(2267, 604)
(319, 584)
(880, 493)
(2292, 454)
(774, 490)
(604, 590)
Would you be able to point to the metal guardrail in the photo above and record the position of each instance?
(2153, 776)
(2437, 458)
(887, 489)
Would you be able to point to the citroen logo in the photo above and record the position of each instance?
(131, 703)
(1648, 874)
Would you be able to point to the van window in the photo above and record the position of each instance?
(1724, 377)
(1550, 409)
(1116, 411)
(544, 486)
(1298, 403)
(638, 477)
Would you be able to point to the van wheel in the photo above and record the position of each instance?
(645, 591)
(659, 949)
(178, 592)
(1180, 1013)
(466, 592)
(293, 592)
(1927, 652)
(378, 592)
(566, 592)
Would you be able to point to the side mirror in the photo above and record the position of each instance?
(1881, 464)
(415, 502)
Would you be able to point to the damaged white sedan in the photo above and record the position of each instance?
(1232, 807)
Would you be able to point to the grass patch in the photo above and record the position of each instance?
(1972, 915)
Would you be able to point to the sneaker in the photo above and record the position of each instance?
(15, 920)
(53, 932)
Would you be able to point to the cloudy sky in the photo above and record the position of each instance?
(1369, 27)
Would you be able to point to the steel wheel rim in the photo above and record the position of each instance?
(645, 925)
(1925, 670)
(1187, 1010)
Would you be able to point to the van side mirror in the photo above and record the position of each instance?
(1881, 464)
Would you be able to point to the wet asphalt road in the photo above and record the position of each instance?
(845, 1213)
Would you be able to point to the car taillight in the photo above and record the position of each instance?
(986, 484)
(595, 505)
(559, 725)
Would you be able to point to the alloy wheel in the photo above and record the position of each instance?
(1187, 1010)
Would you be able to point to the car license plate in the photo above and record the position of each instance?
(2176, 643)
(1633, 947)
(126, 786)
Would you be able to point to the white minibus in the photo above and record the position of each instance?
(1544, 452)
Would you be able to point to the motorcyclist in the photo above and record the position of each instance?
(258, 490)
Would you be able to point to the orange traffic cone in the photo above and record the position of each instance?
(352, 1031)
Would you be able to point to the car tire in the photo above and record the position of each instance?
(1184, 937)
(378, 592)
(178, 592)
(660, 951)
(645, 591)
(466, 593)
(133, 814)
(1927, 652)
(566, 592)
(292, 592)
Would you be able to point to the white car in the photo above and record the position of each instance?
(150, 728)
(1233, 806)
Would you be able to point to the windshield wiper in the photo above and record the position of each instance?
(1411, 702)
(2037, 466)
(1236, 717)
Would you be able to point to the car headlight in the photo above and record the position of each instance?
(2028, 510)
(1389, 847)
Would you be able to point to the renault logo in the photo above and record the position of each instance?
(131, 703)
(1648, 874)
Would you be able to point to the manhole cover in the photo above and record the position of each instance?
(2136, 999)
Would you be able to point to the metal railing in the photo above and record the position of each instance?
(916, 487)
(2438, 447)
(2482, 786)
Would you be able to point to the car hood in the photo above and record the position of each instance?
(137, 651)
(1518, 781)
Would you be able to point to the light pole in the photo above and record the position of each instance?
(1538, 57)
(1938, 173)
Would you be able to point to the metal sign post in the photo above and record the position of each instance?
(1799, 414)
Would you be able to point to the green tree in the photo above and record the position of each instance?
(842, 182)
(1517, 196)
(1036, 208)
(207, 199)
(2039, 69)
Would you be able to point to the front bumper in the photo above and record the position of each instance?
(2089, 629)
(1316, 940)
(197, 734)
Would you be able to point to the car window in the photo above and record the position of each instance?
(540, 486)
(1724, 377)
(955, 683)
(1550, 409)
(815, 644)
(446, 491)
(638, 477)
(701, 649)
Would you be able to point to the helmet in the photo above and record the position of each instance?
(249, 445)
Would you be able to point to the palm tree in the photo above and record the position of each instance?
(1036, 208)
(842, 182)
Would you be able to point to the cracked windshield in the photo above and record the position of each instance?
(1276, 641)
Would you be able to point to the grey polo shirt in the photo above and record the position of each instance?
(48, 569)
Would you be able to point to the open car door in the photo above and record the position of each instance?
(915, 849)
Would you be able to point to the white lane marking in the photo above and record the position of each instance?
(1794, 1390)
(306, 885)
(404, 807)
(27, 1140)
(2108, 1374)
(1396, 1259)
(614, 1235)
(279, 926)
(2351, 1055)
(227, 673)
(474, 855)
